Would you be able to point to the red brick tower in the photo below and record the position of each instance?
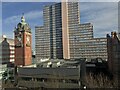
(23, 51)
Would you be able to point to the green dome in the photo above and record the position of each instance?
(23, 26)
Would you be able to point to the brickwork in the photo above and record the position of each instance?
(23, 50)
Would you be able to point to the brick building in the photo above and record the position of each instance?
(113, 44)
(23, 49)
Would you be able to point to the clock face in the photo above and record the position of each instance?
(18, 40)
(28, 40)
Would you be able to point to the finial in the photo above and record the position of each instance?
(22, 18)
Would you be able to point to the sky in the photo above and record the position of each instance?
(103, 16)
(58, 0)
(0, 18)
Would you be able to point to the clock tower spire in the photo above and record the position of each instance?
(23, 19)
(23, 49)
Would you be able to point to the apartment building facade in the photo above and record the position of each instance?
(7, 50)
(63, 37)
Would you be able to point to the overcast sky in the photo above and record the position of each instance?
(103, 16)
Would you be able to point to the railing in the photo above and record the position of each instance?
(38, 84)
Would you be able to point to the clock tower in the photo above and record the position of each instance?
(23, 51)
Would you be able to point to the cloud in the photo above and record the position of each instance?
(11, 19)
(0, 27)
(30, 16)
(34, 14)
(99, 0)
(103, 16)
